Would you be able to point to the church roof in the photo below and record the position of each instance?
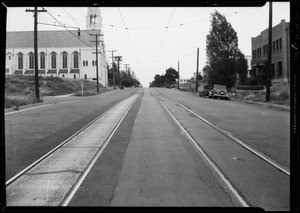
(51, 39)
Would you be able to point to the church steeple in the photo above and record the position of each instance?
(93, 19)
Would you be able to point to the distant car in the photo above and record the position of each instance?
(220, 91)
(206, 90)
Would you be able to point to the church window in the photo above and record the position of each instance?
(91, 20)
(42, 60)
(53, 60)
(75, 60)
(64, 60)
(20, 61)
(31, 61)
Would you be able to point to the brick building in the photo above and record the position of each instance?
(280, 52)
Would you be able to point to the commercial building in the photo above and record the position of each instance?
(280, 52)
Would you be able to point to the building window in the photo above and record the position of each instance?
(277, 44)
(83, 63)
(267, 50)
(75, 60)
(264, 50)
(31, 61)
(273, 46)
(93, 63)
(74, 76)
(64, 60)
(253, 54)
(85, 76)
(86, 62)
(20, 61)
(53, 60)
(8, 57)
(280, 69)
(280, 43)
(63, 75)
(273, 71)
(42, 60)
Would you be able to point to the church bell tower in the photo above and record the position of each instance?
(93, 19)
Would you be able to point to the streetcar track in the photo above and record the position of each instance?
(15, 177)
(207, 158)
(233, 138)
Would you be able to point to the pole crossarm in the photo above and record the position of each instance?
(36, 70)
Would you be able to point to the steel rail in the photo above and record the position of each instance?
(211, 163)
(58, 146)
(235, 139)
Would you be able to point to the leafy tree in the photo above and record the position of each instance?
(242, 67)
(222, 51)
(171, 76)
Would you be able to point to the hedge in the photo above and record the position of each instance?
(256, 87)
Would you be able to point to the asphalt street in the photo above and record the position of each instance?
(149, 160)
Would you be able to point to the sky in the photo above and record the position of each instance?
(153, 39)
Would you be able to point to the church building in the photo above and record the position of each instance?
(61, 53)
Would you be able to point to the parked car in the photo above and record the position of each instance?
(220, 91)
(206, 90)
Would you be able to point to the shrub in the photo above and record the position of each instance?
(19, 100)
(256, 87)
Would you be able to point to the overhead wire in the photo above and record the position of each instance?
(128, 36)
(69, 30)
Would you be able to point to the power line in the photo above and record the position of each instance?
(166, 28)
(128, 36)
(70, 31)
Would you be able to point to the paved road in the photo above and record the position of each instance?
(150, 162)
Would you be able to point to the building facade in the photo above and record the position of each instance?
(280, 52)
(61, 53)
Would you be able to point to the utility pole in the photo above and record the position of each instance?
(36, 68)
(197, 70)
(97, 75)
(126, 71)
(178, 76)
(112, 58)
(118, 59)
(268, 83)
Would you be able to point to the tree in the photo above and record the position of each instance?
(171, 76)
(242, 67)
(222, 51)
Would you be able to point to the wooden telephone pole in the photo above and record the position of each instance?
(118, 59)
(112, 58)
(97, 75)
(197, 70)
(268, 83)
(36, 68)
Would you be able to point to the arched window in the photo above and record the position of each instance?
(42, 60)
(64, 60)
(31, 61)
(75, 60)
(53, 60)
(83, 63)
(95, 18)
(91, 20)
(85, 76)
(86, 62)
(20, 61)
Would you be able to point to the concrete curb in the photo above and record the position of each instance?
(270, 105)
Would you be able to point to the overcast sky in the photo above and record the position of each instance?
(147, 45)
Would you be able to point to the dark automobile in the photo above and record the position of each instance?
(220, 91)
(206, 90)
